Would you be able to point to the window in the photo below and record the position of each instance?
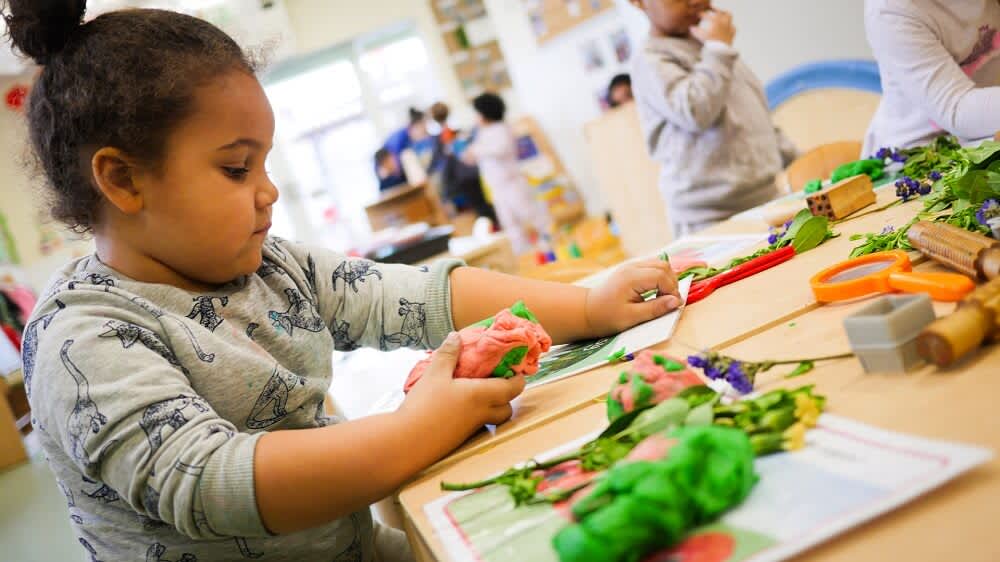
(333, 110)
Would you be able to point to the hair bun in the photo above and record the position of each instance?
(41, 28)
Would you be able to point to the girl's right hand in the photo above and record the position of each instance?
(716, 25)
(461, 405)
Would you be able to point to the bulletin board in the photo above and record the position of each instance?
(551, 18)
(471, 41)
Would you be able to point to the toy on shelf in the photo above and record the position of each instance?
(884, 334)
(843, 198)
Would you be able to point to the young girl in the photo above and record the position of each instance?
(940, 68)
(704, 116)
(494, 149)
(177, 376)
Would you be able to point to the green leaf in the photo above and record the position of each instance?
(603, 452)
(621, 423)
(811, 233)
(797, 222)
(981, 186)
(803, 368)
(960, 205)
(702, 415)
(697, 395)
(983, 152)
(661, 417)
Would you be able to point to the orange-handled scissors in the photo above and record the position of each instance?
(886, 272)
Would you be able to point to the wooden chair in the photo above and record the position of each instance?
(822, 102)
(819, 162)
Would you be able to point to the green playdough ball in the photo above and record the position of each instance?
(873, 168)
(641, 506)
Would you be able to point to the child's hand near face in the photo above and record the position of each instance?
(716, 25)
(618, 303)
(460, 405)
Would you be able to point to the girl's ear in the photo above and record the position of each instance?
(115, 175)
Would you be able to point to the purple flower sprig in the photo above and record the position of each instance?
(775, 234)
(741, 375)
(908, 188)
(887, 153)
(990, 210)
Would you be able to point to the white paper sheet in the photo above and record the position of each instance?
(847, 474)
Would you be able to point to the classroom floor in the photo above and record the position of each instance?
(34, 522)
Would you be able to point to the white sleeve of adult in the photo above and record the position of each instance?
(911, 54)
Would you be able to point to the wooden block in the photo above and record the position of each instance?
(843, 198)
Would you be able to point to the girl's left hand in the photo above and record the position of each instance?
(618, 304)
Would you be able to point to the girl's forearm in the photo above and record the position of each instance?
(561, 308)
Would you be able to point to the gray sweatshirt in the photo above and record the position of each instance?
(706, 122)
(940, 67)
(149, 399)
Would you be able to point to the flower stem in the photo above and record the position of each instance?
(533, 465)
(461, 487)
(813, 359)
(868, 212)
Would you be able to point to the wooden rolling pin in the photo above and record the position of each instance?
(952, 337)
(977, 318)
(973, 254)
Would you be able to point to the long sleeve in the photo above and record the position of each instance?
(494, 141)
(911, 55)
(368, 304)
(789, 152)
(690, 99)
(111, 392)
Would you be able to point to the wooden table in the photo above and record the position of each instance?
(406, 205)
(773, 316)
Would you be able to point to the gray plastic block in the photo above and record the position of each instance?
(884, 334)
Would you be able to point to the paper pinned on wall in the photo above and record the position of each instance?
(479, 32)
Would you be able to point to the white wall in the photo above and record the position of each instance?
(776, 35)
(21, 199)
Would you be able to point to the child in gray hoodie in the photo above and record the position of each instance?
(704, 116)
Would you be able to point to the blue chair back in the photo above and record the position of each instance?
(851, 74)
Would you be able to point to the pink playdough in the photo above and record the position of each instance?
(665, 384)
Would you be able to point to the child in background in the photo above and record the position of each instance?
(704, 115)
(387, 169)
(620, 90)
(940, 71)
(439, 113)
(494, 148)
(177, 376)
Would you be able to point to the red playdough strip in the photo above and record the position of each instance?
(483, 348)
(680, 263)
